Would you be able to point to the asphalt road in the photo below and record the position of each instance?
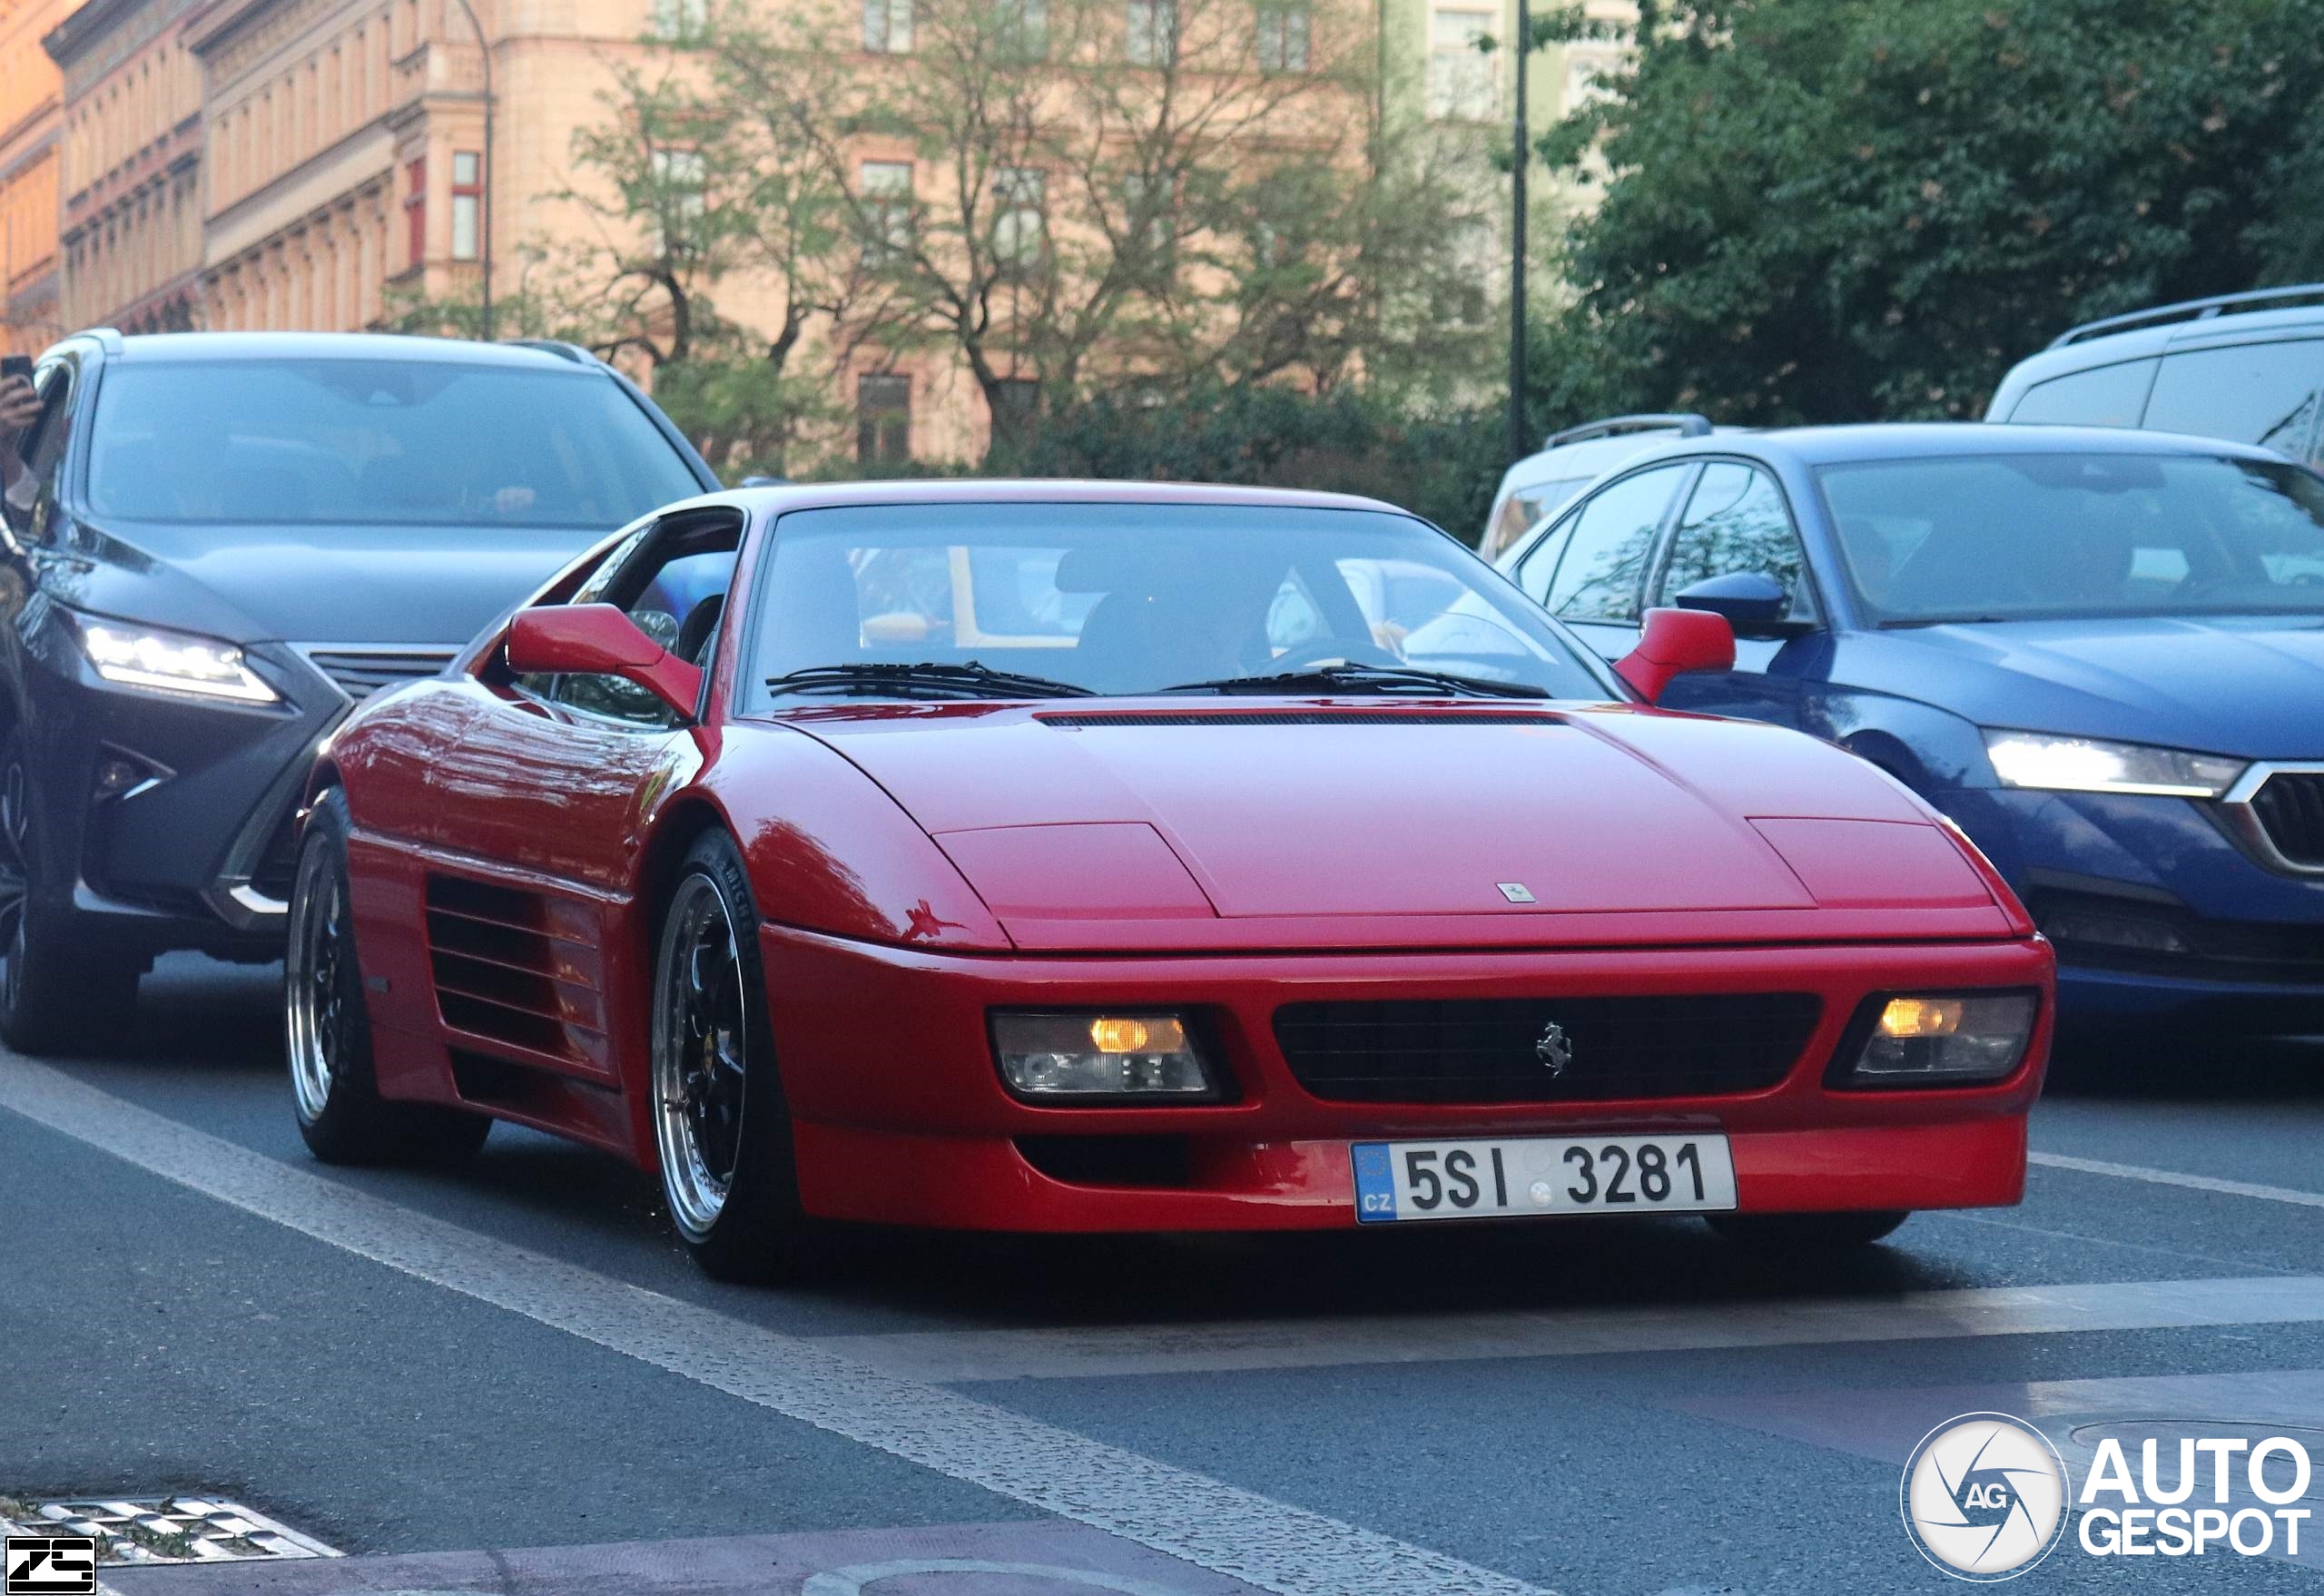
(508, 1379)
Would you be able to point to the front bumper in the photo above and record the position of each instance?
(191, 853)
(2157, 914)
(899, 1115)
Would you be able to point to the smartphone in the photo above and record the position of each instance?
(15, 366)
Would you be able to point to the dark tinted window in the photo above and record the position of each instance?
(2103, 396)
(1604, 565)
(2008, 536)
(1736, 520)
(307, 442)
(2263, 393)
(1129, 598)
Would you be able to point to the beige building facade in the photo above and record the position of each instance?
(306, 164)
(31, 117)
(129, 166)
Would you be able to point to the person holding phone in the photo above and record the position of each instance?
(20, 410)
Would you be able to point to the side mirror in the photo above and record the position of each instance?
(1747, 599)
(1673, 642)
(600, 640)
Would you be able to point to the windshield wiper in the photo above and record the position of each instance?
(967, 679)
(1366, 678)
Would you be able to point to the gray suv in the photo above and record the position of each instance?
(2248, 368)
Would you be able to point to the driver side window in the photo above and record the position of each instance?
(1735, 521)
(672, 580)
(30, 499)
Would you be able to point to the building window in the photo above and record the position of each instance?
(1460, 73)
(681, 22)
(1019, 193)
(1150, 225)
(415, 209)
(468, 203)
(882, 419)
(1153, 33)
(887, 27)
(1284, 30)
(1020, 29)
(680, 180)
(886, 188)
(1015, 401)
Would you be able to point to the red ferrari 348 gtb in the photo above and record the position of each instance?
(1049, 857)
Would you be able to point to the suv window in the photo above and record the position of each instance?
(1603, 568)
(314, 442)
(2263, 393)
(2103, 396)
(1737, 520)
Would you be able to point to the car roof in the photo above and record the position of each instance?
(351, 346)
(959, 490)
(2084, 350)
(1888, 440)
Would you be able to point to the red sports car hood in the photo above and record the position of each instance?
(1172, 826)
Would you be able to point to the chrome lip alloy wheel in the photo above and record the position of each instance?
(315, 1012)
(699, 1058)
(15, 874)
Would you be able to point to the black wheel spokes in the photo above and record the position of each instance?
(16, 832)
(710, 1023)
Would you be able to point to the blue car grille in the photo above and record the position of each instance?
(2290, 806)
(1492, 1050)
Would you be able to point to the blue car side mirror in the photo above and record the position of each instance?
(1747, 599)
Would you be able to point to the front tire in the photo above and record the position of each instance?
(722, 1129)
(342, 1118)
(1798, 1235)
(60, 990)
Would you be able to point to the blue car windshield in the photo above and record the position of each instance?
(317, 443)
(2024, 536)
(1120, 598)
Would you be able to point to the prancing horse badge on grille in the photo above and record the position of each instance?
(1554, 1047)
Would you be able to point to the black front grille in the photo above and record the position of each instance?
(361, 672)
(2290, 806)
(1490, 1051)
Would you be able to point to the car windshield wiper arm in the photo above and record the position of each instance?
(968, 678)
(1366, 678)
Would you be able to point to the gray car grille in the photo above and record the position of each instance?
(361, 670)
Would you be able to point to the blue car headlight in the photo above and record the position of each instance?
(2088, 765)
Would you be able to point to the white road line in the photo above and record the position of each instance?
(947, 1356)
(2274, 1193)
(1214, 1525)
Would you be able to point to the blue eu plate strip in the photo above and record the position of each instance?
(1375, 1181)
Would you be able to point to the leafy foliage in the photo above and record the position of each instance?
(1826, 210)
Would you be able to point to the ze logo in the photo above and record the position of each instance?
(50, 1565)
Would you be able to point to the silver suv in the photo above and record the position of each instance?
(2248, 368)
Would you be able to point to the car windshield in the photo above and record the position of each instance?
(1137, 598)
(2044, 536)
(433, 442)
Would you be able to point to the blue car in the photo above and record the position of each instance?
(2101, 652)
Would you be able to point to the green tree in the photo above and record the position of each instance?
(1833, 210)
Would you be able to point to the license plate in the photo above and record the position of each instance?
(1562, 1175)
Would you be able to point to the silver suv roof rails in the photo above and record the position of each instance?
(1685, 423)
(557, 347)
(2190, 311)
